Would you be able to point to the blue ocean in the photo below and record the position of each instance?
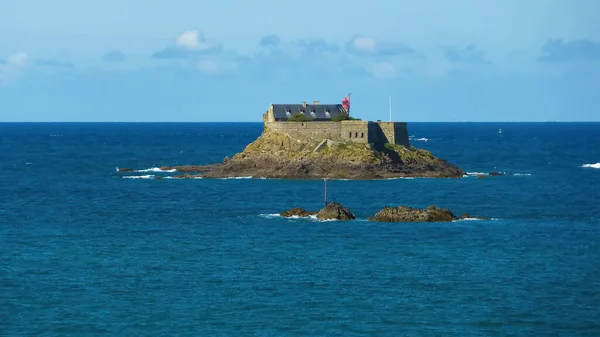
(87, 252)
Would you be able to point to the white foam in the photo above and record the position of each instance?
(596, 166)
(148, 176)
(422, 139)
(249, 177)
(396, 178)
(476, 174)
(522, 174)
(155, 169)
(295, 217)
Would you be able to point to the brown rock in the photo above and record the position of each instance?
(335, 211)
(410, 214)
(125, 169)
(297, 212)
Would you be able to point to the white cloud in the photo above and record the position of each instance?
(13, 67)
(194, 40)
(383, 70)
(365, 44)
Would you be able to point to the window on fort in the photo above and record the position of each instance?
(362, 135)
(350, 134)
(356, 135)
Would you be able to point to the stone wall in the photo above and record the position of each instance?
(353, 131)
(394, 133)
(308, 131)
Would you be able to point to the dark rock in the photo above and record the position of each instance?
(297, 211)
(468, 216)
(125, 169)
(335, 211)
(410, 214)
(188, 176)
(497, 173)
(481, 176)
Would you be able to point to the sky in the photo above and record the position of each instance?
(226, 61)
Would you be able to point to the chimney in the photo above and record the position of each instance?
(315, 102)
(304, 104)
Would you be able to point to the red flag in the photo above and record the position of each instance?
(346, 103)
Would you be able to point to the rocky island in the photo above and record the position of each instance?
(335, 211)
(311, 141)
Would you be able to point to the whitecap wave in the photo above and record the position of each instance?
(295, 217)
(249, 177)
(155, 169)
(148, 176)
(474, 174)
(596, 166)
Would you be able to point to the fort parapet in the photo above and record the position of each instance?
(323, 127)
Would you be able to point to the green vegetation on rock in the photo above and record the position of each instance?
(344, 117)
(300, 117)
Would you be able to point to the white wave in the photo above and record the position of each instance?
(155, 169)
(476, 174)
(596, 166)
(476, 219)
(249, 177)
(473, 174)
(169, 177)
(148, 176)
(396, 178)
(422, 139)
(295, 217)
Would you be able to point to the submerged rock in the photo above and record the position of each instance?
(297, 211)
(125, 169)
(410, 214)
(468, 216)
(335, 211)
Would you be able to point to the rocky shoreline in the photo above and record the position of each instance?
(335, 211)
(278, 155)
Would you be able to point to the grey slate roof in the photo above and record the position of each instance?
(323, 112)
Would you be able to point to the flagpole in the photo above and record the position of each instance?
(325, 187)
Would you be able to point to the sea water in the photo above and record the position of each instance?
(86, 252)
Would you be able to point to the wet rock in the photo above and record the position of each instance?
(297, 212)
(410, 214)
(125, 169)
(481, 176)
(468, 216)
(335, 211)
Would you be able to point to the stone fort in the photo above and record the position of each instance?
(323, 127)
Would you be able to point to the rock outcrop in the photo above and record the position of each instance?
(297, 212)
(278, 155)
(335, 211)
(410, 214)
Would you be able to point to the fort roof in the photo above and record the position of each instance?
(319, 112)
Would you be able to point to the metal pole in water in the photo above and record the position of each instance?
(325, 187)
